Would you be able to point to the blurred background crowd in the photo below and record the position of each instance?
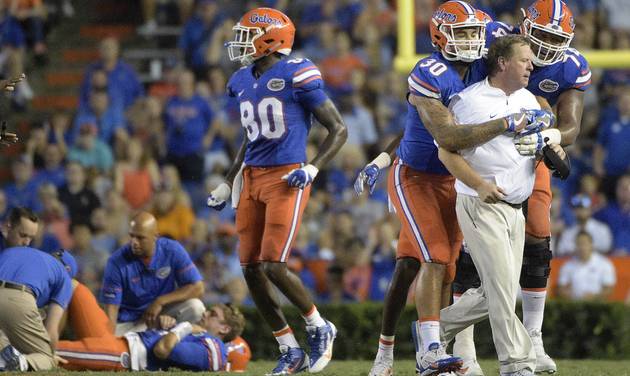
(150, 127)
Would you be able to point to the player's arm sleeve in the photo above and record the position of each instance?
(193, 355)
(186, 271)
(577, 72)
(308, 85)
(423, 83)
(112, 287)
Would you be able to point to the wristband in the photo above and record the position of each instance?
(382, 161)
(182, 329)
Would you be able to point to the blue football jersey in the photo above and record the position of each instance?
(432, 77)
(195, 352)
(276, 109)
(549, 81)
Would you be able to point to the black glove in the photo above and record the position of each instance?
(561, 167)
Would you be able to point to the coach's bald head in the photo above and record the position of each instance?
(143, 232)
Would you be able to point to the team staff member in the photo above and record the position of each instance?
(194, 347)
(20, 228)
(561, 75)
(31, 279)
(490, 192)
(150, 276)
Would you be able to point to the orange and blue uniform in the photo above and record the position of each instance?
(276, 113)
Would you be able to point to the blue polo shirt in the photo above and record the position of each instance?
(132, 285)
(44, 274)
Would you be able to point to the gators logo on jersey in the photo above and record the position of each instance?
(275, 84)
(548, 86)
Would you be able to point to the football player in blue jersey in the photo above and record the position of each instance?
(421, 188)
(270, 179)
(188, 346)
(561, 75)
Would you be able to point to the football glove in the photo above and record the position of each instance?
(219, 196)
(514, 121)
(369, 174)
(301, 177)
(533, 143)
(538, 120)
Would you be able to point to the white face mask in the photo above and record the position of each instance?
(546, 53)
(467, 50)
(242, 47)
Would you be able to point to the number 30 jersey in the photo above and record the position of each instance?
(432, 77)
(276, 109)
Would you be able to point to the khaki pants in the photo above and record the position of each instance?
(189, 310)
(22, 324)
(495, 234)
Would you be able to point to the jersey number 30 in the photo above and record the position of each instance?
(270, 115)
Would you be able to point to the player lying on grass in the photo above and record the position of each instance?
(191, 347)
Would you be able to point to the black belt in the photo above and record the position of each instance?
(515, 206)
(16, 286)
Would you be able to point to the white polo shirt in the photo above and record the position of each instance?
(588, 277)
(497, 160)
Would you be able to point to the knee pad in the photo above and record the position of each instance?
(466, 275)
(536, 265)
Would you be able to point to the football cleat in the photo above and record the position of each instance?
(544, 363)
(13, 359)
(522, 372)
(444, 365)
(435, 361)
(320, 340)
(382, 367)
(292, 360)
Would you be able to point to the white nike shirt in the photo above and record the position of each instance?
(497, 160)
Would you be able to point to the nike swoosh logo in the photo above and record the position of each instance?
(241, 92)
(492, 116)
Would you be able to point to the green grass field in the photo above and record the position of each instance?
(406, 368)
(490, 367)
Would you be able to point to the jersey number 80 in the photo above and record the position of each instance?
(271, 117)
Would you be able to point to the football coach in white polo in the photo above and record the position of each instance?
(493, 180)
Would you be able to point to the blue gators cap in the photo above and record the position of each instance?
(68, 261)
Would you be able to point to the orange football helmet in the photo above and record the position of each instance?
(450, 17)
(549, 25)
(261, 32)
(485, 16)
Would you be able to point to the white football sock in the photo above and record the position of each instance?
(385, 347)
(533, 309)
(285, 336)
(430, 333)
(313, 318)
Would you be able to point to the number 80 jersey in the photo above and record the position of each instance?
(276, 110)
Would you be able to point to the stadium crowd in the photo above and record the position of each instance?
(162, 146)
